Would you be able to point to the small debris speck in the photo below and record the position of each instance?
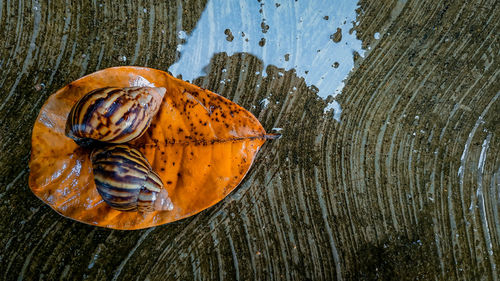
(264, 27)
(39, 86)
(229, 35)
(337, 36)
(355, 56)
(262, 42)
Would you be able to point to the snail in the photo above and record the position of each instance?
(126, 181)
(113, 115)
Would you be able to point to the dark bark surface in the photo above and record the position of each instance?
(406, 186)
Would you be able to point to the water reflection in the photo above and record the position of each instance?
(312, 37)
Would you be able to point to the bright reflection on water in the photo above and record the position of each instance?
(301, 35)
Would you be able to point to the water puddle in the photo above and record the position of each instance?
(312, 37)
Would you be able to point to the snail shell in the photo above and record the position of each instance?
(126, 181)
(113, 115)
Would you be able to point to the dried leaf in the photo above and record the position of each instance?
(200, 144)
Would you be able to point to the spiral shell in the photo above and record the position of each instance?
(113, 115)
(126, 181)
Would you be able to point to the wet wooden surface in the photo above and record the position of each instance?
(406, 186)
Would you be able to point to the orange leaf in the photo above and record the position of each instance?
(200, 144)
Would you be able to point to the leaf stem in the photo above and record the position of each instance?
(272, 136)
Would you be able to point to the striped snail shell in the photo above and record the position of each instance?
(126, 181)
(113, 115)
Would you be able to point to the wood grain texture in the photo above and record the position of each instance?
(406, 186)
